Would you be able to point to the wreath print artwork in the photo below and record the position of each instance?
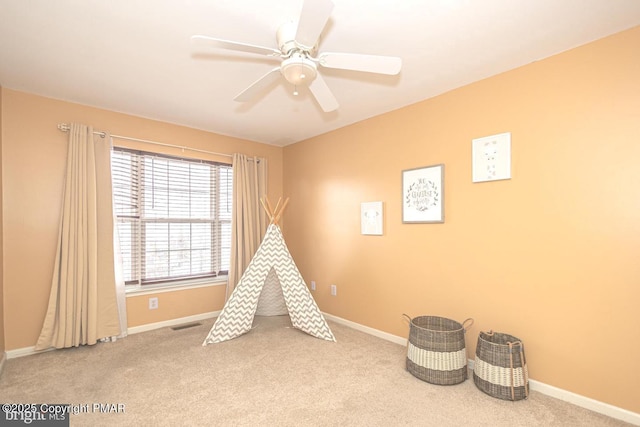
(422, 195)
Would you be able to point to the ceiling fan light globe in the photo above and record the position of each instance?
(299, 70)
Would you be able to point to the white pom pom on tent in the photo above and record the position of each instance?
(272, 257)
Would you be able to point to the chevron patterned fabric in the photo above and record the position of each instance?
(237, 315)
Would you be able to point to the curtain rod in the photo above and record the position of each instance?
(64, 127)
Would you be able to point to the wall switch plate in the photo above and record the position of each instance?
(153, 303)
(334, 290)
(313, 285)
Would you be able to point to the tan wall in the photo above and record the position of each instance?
(2, 343)
(174, 305)
(550, 256)
(34, 156)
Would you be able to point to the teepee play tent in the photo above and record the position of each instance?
(272, 263)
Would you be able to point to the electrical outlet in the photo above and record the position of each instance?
(334, 290)
(313, 285)
(153, 303)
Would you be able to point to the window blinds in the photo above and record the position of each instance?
(173, 216)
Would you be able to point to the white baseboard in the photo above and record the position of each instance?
(371, 331)
(25, 351)
(586, 402)
(28, 351)
(2, 360)
(172, 322)
(549, 390)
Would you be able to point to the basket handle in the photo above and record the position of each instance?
(407, 317)
(526, 373)
(465, 326)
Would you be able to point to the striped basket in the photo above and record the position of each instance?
(500, 368)
(436, 351)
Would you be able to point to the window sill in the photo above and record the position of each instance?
(135, 290)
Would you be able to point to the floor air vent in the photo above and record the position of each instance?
(188, 325)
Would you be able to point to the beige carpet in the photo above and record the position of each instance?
(273, 376)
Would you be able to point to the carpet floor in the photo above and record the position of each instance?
(273, 376)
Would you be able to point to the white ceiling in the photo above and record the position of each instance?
(136, 57)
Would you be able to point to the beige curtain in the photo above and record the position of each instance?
(249, 221)
(82, 303)
(121, 295)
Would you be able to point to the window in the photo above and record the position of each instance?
(173, 216)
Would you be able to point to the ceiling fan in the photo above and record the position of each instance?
(297, 47)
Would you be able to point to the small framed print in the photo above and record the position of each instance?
(491, 158)
(423, 195)
(371, 218)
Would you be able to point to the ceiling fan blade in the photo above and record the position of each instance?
(241, 47)
(313, 18)
(368, 63)
(258, 86)
(323, 94)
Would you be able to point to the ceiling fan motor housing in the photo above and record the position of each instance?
(286, 38)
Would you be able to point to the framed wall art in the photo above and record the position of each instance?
(491, 158)
(423, 194)
(371, 218)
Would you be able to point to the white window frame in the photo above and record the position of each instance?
(218, 243)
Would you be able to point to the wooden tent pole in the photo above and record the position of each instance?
(275, 211)
(266, 208)
(272, 213)
(277, 218)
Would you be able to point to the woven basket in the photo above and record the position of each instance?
(500, 368)
(436, 351)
